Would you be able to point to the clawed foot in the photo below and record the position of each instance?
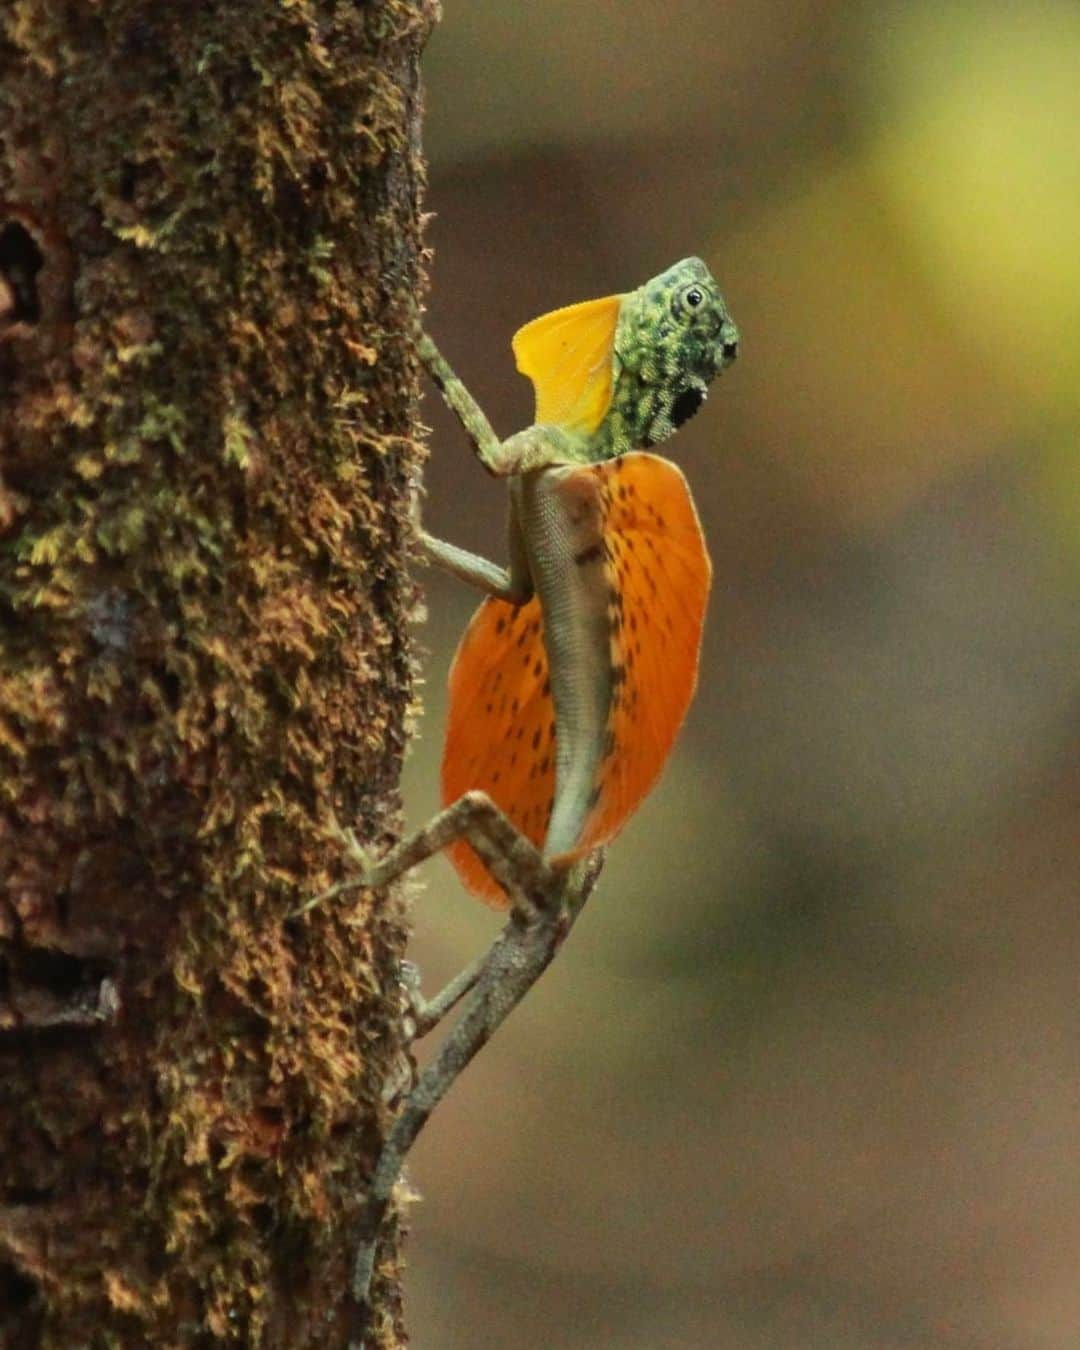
(359, 861)
(358, 857)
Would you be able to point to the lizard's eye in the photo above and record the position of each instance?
(694, 296)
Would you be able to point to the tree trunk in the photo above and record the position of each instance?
(209, 263)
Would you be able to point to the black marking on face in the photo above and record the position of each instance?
(673, 338)
(686, 405)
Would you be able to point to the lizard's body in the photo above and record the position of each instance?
(562, 544)
(662, 356)
(594, 571)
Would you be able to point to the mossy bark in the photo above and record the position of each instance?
(209, 263)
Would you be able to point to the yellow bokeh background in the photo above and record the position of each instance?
(806, 1073)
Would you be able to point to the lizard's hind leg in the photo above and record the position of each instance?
(514, 861)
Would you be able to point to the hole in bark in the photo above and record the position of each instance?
(63, 975)
(20, 262)
(27, 1195)
(17, 1292)
(171, 689)
(129, 177)
(263, 1218)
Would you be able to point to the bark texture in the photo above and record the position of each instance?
(209, 262)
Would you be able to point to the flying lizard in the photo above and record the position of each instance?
(572, 680)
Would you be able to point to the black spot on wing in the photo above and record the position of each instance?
(593, 554)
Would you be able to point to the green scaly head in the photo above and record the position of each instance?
(673, 338)
(625, 372)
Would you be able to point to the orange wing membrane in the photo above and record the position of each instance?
(659, 574)
(501, 735)
(501, 731)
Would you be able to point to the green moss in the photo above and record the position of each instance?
(208, 447)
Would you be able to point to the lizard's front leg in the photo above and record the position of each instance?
(533, 448)
(505, 583)
(465, 408)
(512, 583)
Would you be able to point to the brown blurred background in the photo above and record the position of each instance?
(808, 1072)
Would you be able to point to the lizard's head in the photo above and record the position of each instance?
(625, 371)
(673, 338)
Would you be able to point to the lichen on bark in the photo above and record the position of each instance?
(207, 440)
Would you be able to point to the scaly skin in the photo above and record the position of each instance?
(673, 337)
(667, 352)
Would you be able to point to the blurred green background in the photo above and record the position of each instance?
(808, 1072)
